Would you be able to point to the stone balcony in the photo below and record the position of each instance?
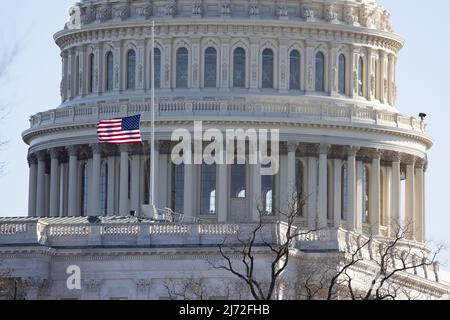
(305, 113)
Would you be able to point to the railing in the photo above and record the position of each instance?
(68, 231)
(309, 111)
(120, 230)
(12, 228)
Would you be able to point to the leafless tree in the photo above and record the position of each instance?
(194, 288)
(7, 57)
(240, 258)
(394, 259)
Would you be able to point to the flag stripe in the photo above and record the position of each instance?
(120, 131)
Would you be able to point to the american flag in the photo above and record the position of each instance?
(120, 130)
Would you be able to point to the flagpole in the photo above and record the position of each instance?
(152, 170)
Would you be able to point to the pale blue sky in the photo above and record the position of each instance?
(423, 82)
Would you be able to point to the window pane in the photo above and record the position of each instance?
(238, 181)
(208, 187)
(342, 75)
(267, 185)
(294, 78)
(210, 68)
(157, 57)
(267, 69)
(109, 71)
(178, 188)
(320, 72)
(91, 73)
(361, 77)
(131, 70)
(182, 68)
(239, 68)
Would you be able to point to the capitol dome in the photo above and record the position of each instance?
(319, 75)
(322, 72)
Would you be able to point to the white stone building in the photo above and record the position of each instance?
(323, 72)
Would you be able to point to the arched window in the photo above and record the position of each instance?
(299, 182)
(103, 188)
(320, 72)
(182, 68)
(210, 68)
(157, 57)
(267, 69)
(361, 77)
(294, 70)
(109, 71)
(84, 192)
(366, 197)
(131, 70)
(212, 202)
(342, 74)
(208, 187)
(238, 181)
(268, 186)
(91, 72)
(268, 202)
(77, 76)
(344, 192)
(239, 62)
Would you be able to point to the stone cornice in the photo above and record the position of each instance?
(210, 27)
(420, 137)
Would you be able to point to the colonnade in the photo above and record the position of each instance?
(343, 186)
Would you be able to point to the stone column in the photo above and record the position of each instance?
(225, 63)
(253, 57)
(310, 67)
(311, 194)
(394, 223)
(409, 200)
(54, 182)
(135, 200)
(123, 193)
(111, 184)
(337, 194)
(351, 180)
(95, 196)
(419, 200)
(73, 182)
(354, 66)
(390, 96)
(222, 192)
(283, 75)
(40, 197)
(255, 191)
(322, 203)
(195, 63)
(383, 76)
(375, 193)
(189, 194)
(32, 187)
(291, 172)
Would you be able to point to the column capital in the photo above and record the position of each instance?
(409, 159)
(420, 163)
(41, 155)
(396, 157)
(73, 151)
(292, 146)
(32, 159)
(375, 154)
(55, 153)
(352, 151)
(97, 148)
(324, 148)
(124, 148)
